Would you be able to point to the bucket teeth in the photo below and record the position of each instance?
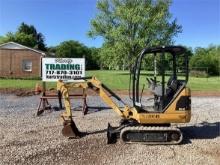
(70, 130)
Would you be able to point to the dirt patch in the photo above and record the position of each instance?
(17, 92)
(193, 93)
(28, 92)
(206, 93)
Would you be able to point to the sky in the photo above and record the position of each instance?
(61, 20)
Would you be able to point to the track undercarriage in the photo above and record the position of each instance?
(132, 132)
(144, 134)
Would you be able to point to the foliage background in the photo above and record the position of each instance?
(127, 27)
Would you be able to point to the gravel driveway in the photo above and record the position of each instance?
(27, 139)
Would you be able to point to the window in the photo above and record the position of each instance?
(27, 65)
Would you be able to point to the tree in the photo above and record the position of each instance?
(37, 37)
(52, 49)
(27, 29)
(2, 39)
(93, 59)
(8, 37)
(207, 58)
(25, 39)
(128, 26)
(26, 35)
(71, 49)
(74, 49)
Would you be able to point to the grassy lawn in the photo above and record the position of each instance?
(24, 84)
(117, 80)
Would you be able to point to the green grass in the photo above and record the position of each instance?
(117, 80)
(205, 84)
(24, 84)
(120, 80)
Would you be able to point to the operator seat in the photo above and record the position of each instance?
(169, 92)
(172, 86)
(170, 89)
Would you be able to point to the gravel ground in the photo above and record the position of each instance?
(27, 139)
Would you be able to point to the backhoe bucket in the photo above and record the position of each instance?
(70, 130)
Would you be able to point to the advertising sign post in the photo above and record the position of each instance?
(66, 69)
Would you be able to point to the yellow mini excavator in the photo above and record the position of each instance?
(143, 122)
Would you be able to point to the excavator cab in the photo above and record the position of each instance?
(162, 71)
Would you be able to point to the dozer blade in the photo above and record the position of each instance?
(111, 134)
(70, 130)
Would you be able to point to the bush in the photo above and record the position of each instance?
(197, 73)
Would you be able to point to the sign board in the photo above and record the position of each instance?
(65, 69)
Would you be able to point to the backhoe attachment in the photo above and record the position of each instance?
(69, 127)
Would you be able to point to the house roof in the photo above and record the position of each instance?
(14, 45)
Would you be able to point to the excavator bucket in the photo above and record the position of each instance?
(70, 130)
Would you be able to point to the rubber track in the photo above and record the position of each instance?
(152, 128)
